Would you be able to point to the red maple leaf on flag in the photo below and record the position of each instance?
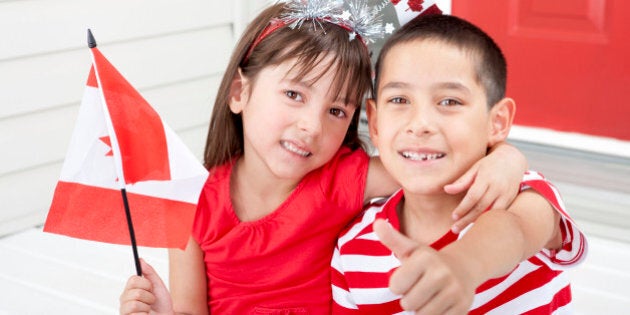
(395, 2)
(108, 142)
(415, 5)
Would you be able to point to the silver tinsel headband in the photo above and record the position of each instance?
(357, 18)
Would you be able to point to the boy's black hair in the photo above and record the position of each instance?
(490, 68)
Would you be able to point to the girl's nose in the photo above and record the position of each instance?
(310, 122)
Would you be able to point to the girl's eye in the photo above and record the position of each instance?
(399, 100)
(449, 102)
(338, 112)
(293, 95)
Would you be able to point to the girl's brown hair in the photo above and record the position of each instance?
(308, 43)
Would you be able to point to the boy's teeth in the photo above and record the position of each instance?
(421, 156)
(290, 147)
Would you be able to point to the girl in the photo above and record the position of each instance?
(287, 172)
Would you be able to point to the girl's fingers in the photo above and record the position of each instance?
(463, 182)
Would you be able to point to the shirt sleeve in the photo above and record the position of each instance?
(344, 178)
(574, 244)
(343, 302)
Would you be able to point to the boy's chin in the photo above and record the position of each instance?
(421, 189)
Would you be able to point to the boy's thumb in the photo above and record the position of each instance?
(398, 243)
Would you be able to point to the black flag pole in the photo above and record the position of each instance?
(132, 234)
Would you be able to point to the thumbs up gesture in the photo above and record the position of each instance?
(430, 281)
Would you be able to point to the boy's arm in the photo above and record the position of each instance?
(499, 240)
(187, 279)
(491, 248)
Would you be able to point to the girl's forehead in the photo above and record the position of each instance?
(309, 70)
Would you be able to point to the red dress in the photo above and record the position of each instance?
(280, 263)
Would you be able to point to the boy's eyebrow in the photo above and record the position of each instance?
(450, 85)
(395, 85)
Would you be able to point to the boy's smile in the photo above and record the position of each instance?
(430, 121)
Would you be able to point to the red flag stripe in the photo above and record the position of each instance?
(91, 81)
(139, 131)
(157, 222)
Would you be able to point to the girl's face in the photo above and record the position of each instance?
(291, 126)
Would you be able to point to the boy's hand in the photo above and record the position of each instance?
(493, 183)
(429, 281)
(146, 295)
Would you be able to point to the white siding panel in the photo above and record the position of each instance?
(35, 139)
(50, 80)
(36, 27)
(25, 197)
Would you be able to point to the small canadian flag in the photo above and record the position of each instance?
(120, 144)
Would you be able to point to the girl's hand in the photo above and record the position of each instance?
(146, 295)
(492, 183)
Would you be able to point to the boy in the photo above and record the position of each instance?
(438, 106)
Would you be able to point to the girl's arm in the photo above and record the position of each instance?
(187, 279)
(494, 182)
(497, 242)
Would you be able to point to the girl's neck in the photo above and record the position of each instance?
(256, 193)
(425, 218)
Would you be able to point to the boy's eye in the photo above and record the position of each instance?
(449, 102)
(338, 112)
(398, 100)
(293, 95)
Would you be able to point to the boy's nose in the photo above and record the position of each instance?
(420, 121)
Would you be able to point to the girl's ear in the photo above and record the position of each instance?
(239, 90)
(501, 117)
(370, 109)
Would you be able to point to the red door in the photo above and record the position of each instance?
(568, 60)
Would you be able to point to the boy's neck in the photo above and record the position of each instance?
(425, 218)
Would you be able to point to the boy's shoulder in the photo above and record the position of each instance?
(361, 225)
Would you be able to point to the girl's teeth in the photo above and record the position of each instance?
(290, 147)
(421, 156)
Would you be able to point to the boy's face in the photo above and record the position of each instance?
(430, 122)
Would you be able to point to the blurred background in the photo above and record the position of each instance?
(568, 72)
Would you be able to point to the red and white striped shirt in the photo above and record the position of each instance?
(361, 267)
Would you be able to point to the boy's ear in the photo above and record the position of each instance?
(239, 89)
(501, 117)
(370, 110)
